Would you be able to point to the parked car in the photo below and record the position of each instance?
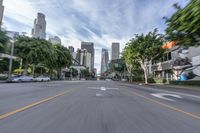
(124, 80)
(23, 78)
(42, 78)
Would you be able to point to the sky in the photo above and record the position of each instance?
(98, 21)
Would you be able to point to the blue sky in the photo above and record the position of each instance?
(99, 21)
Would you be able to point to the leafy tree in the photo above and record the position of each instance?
(143, 49)
(61, 58)
(3, 41)
(184, 26)
(131, 64)
(32, 50)
(39, 53)
(85, 73)
(4, 64)
(74, 72)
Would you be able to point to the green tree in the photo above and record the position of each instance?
(183, 25)
(143, 49)
(32, 50)
(85, 73)
(74, 72)
(132, 64)
(62, 58)
(3, 41)
(4, 64)
(41, 53)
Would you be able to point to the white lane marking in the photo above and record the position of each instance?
(99, 95)
(102, 88)
(162, 96)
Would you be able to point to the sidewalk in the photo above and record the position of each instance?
(3, 81)
(185, 87)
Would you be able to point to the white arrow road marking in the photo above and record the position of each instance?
(162, 96)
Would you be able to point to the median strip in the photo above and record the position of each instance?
(31, 105)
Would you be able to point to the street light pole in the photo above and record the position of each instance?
(11, 61)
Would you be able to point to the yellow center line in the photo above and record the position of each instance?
(31, 105)
(167, 106)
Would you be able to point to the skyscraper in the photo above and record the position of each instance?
(1, 11)
(71, 49)
(89, 46)
(39, 29)
(84, 57)
(115, 51)
(104, 60)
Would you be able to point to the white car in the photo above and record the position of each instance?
(22, 78)
(42, 78)
(124, 79)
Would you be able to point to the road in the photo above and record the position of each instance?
(97, 107)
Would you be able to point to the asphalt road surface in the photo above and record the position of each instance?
(97, 107)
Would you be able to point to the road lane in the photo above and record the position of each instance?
(17, 95)
(190, 101)
(115, 111)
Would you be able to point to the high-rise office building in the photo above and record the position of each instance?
(39, 29)
(84, 58)
(104, 60)
(115, 51)
(1, 11)
(89, 46)
(71, 49)
(55, 40)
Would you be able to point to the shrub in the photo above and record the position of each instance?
(160, 80)
(138, 79)
(189, 82)
(151, 80)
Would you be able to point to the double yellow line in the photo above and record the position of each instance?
(31, 105)
(165, 105)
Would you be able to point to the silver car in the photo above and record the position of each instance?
(23, 78)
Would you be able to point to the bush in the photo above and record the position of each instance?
(189, 82)
(138, 79)
(160, 80)
(3, 78)
(151, 80)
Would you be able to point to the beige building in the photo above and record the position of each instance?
(85, 58)
(178, 60)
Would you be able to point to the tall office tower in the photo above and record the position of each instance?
(55, 40)
(84, 58)
(104, 60)
(115, 51)
(1, 11)
(39, 29)
(89, 46)
(71, 49)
